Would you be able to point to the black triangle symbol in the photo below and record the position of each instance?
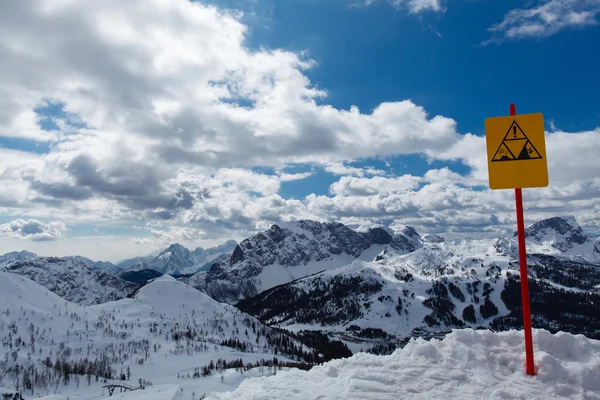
(529, 152)
(516, 139)
(503, 154)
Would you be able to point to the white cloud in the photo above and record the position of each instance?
(349, 185)
(32, 229)
(339, 168)
(546, 19)
(177, 110)
(413, 6)
(445, 175)
(164, 95)
(171, 235)
(283, 177)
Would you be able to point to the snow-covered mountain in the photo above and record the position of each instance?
(16, 256)
(98, 265)
(73, 279)
(178, 260)
(439, 286)
(167, 333)
(294, 250)
(562, 236)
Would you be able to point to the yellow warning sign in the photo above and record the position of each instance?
(516, 150)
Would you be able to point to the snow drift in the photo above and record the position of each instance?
(466, 364)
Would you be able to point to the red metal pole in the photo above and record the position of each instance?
(524, 279)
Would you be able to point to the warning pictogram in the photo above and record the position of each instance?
(520, 139)
(516, 146)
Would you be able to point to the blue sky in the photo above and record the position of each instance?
(368, 55)
(208, 125)
(374, 54)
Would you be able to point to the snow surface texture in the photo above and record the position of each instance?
(162, 392)
(467, 364)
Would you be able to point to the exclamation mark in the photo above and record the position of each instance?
(514, 131)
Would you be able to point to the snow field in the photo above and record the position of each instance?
(466, 364)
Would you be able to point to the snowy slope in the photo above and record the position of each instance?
(166, 302)
(166, 333)
(467, 364)
(72, 279)
(294, 250)
(178, 260)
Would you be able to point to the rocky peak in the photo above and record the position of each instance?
(16, 256)
(175, 248)
(433, 238)
(294, 250)
(561, 233)
(226, 247)
(409, 231)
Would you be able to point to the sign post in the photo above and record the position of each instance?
(516, 151)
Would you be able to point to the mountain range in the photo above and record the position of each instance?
(290, 251)
(308, 275)
(433, 287)
(304, 291)
(83, 281)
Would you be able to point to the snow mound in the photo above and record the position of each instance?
(466, 364)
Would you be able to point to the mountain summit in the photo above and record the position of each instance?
(178, 260)
(564, 235)
(293, 250)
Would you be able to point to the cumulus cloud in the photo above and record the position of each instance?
(348, 185)
(161, 98)
(546, 19)
(32, 229)
(176, 118)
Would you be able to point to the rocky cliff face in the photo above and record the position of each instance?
(564, 237)
(290, 251)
